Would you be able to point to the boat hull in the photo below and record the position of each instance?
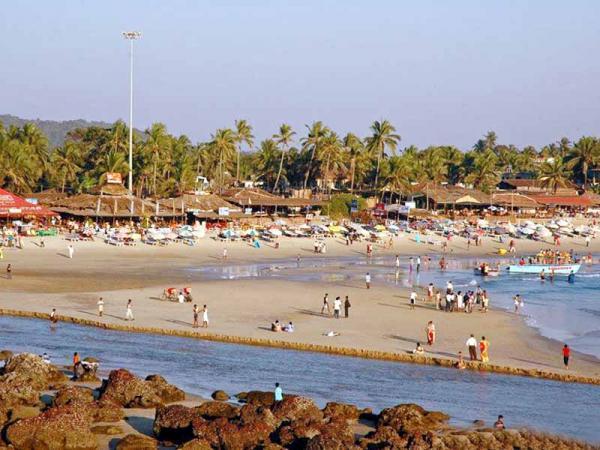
(558, 269)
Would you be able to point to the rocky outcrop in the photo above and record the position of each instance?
(137, 442)
(40, 375)
(63, 427)
(82, 398)
(129, 391)
(343, 411)
(215, 410)
(109, 430)
(411, 419)
(295, 409)
(195, 444)
(173, 423)
(168, 393)
(220, 396)
(257, 398)
(73, 394)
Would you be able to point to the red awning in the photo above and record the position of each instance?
(12, 205)
(564, 200)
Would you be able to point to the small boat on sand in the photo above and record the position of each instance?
(557, 269)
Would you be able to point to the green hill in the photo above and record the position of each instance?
(53, 129)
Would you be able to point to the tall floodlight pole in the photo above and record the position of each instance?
(131, 36)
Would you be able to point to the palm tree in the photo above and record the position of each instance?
(400, 176)
(283, 139)
(584, 155)
(433, 167)
(356, 153)
(331, 157)
(243, 133)
(267, 161)
(554, 173)
(483, 173)
(383, 137)
(16, 167)
(114, 162)
(316, 134)
(65, 163)
(33, 137)
(157, 144)
(223, 145)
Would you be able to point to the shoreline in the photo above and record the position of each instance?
(317, 348)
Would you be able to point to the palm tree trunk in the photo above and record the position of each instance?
(279, 172)
(353, 170)
(237, 170)
(377, 170)
(306, 175)
(154, 177)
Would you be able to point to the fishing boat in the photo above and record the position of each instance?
(486, 271)
(558, 269)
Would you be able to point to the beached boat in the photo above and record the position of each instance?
(558, 269)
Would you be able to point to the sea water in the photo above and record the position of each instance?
(200, 367)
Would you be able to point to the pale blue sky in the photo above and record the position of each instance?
(444, 72)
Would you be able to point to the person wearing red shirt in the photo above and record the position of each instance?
(566, 351)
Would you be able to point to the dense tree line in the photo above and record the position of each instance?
(316, 157)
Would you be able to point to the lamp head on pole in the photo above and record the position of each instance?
(132, 35)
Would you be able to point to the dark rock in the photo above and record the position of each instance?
(16, 389)
(250, 414)
(293, 409)
(129, 391)
(137, 442)
(167, 392)
(40, 374)
(5, 355)
(109, 430)
(220, 396)
(73, 394)
(63, 427)
(195, 444)
(24, 412)
(173, 423)
(222, 434)
(341, 411)
(383, 437)
(411, 419)
(257, 398)
(214, 410)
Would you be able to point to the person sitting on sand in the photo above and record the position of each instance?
(331, 334)
(276, 326)
(289, 328)
(499, 424)
(419, 350)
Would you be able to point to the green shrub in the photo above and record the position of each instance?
(340, 204)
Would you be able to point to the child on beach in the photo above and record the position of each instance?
(205, 317)
(196, 312)
(100, 307)
(129, 311)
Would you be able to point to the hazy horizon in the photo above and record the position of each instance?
(441, 73)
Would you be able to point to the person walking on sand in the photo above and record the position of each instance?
(278, 394)
(9, 272)
(472, 346)
(368, 280)
(325, 306)
(484, 347)
(129, 311)
(70, 250)
(225, 253)
(413, 299)
(196, 312)
(418, 264)
(337, 306)
(430, 330)
(347, 306)
(100, 307)
(205, 317)
(397, 262)
(566, 351)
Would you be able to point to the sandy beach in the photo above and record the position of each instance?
(380, 318)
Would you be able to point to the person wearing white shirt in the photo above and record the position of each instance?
(449, 287)
(413, 299)
(368, 280)
(337, 306)
(472, 345)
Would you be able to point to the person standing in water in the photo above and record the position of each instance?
(571, 277)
